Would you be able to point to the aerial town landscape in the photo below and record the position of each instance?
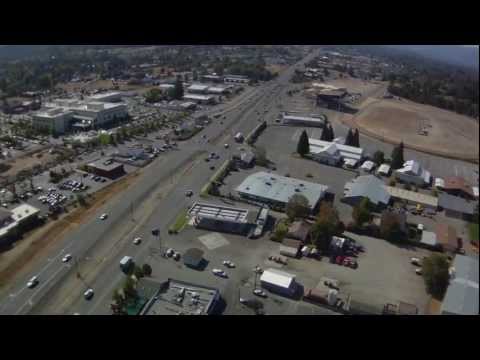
(237, 180)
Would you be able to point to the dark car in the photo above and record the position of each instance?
(212, 167)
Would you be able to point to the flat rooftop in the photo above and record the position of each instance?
(303, 118)
(219, 212)
(104, 95)
(197, 97)
(105, 164)
(175, 297)
(412, 196)
(280, 188)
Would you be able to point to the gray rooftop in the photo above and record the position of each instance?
(222, 212)
(456, 203)
(280, 188)
(104, 164)
(462, 294)
(368, 186)
(429, 238)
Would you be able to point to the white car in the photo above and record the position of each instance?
(32, 282)
(137, 241)
(103, 216)
(170, 252)
(219, 272)
(228, 264)
(260, 293)
(88, 294)
(416, 261)
(176, 256)
(418, 271)
(226, 146)
(67, 258)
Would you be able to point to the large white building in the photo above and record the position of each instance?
(313, 120)
(332, 153)
(60, 115)
(111, 96)
(413, 173)
(12, 219)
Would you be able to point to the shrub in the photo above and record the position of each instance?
(407, 186)
(392, 182)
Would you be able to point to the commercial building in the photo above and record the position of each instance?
(461, 297)
(63, 114)
(290, 247)
(175, 297)
(236, 79)
(297, 120)
(276, 190)
(110, 97)
(218, 90)
(12, 221)
(279, 282)
(412, 197)
(334, 152)
(199, 99)
(458, 186)
(198, 89)
(456, 207)
(413, 173)
(369, 187)
(107, 168)
(212, 78)
(222, 218)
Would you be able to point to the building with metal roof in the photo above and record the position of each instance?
(413, 173)
(222, 218)
(456, 207)
(368, 186)
(412, 197)
(384, 170)
(461, 297)
(458, 186)
(314, 121)
(198, 88)
(279, 282)
(335, 151)
(446, 237)
(277, 190)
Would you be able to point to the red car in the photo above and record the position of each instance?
(339, 260)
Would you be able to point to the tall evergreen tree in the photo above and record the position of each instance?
(349, 138)
(397, 157)
(303, 146)
(324, 132)
(356, 138)
(331, 134)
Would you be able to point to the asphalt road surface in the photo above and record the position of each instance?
(152, 202)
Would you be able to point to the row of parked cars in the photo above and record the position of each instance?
(52, 198)
(73, 185)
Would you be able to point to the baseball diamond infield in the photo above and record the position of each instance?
(447, 134)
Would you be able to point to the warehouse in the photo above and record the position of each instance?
(456, 207)
(199, 99)
(106, 168)
(276, 190)
(369, 187)
(461, 297)
(174, 297)
(413, 173)
(334, 152)
(222, 218)
(279, 282)
(412, 197)
(296, 120)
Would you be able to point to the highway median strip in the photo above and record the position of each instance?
(180, 222)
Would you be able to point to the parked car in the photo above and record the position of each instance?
(228, 264)
(137, 241)
(260, 293)
(103, 216)
(188, 193)
(418, 271)
(67, 258)
(169, 252)
(219, 273)
(416, 261)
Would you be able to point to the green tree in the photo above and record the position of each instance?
(390, 228)
(324, 135)
(397, 157)
(378, 157)
(153, 96)
(147, 269)
(435, 273)
(297, 207)
(349, 138)
(138, 272)
(129, 288)
(356, 138)
(326, 225)
(303, 146)
(362, 213)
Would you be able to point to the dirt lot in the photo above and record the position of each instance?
(27, 162)
(449, 134)
(276, 68)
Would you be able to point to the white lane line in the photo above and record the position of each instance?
(29, 301)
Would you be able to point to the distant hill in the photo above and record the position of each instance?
(17, 52)
(467, 56)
